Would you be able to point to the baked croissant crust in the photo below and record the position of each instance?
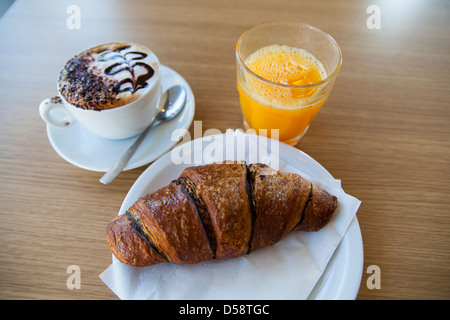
(218, 211)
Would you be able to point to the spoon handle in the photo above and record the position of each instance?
(117, 168)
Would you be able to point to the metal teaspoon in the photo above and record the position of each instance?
(172, 102)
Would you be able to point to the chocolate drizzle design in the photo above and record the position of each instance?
(107, 78)
(127, 64)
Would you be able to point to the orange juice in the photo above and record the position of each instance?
(277, 103)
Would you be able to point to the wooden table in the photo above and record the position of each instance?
(384, 131)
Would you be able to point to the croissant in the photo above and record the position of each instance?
(217, 211)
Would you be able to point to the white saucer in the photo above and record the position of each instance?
(86, 150)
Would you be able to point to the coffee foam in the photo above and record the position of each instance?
(290, 62)
(108, 76)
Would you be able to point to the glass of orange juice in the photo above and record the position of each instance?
(285, 72)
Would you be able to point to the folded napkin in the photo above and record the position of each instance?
(288, 270)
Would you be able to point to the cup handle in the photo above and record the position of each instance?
(60, 121)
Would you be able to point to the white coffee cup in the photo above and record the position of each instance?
(115, 123)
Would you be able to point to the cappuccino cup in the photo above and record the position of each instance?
(112, 89)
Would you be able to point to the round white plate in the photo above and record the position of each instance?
(88, 151)
(342, 277)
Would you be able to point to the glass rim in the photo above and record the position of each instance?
(292, 86)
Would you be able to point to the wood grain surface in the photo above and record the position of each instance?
(384, 131)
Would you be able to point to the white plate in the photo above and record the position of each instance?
(88, 151)
(342, 277)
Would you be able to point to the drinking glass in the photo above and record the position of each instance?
(273, 94)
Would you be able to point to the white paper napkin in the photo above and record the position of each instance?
(288, 270)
